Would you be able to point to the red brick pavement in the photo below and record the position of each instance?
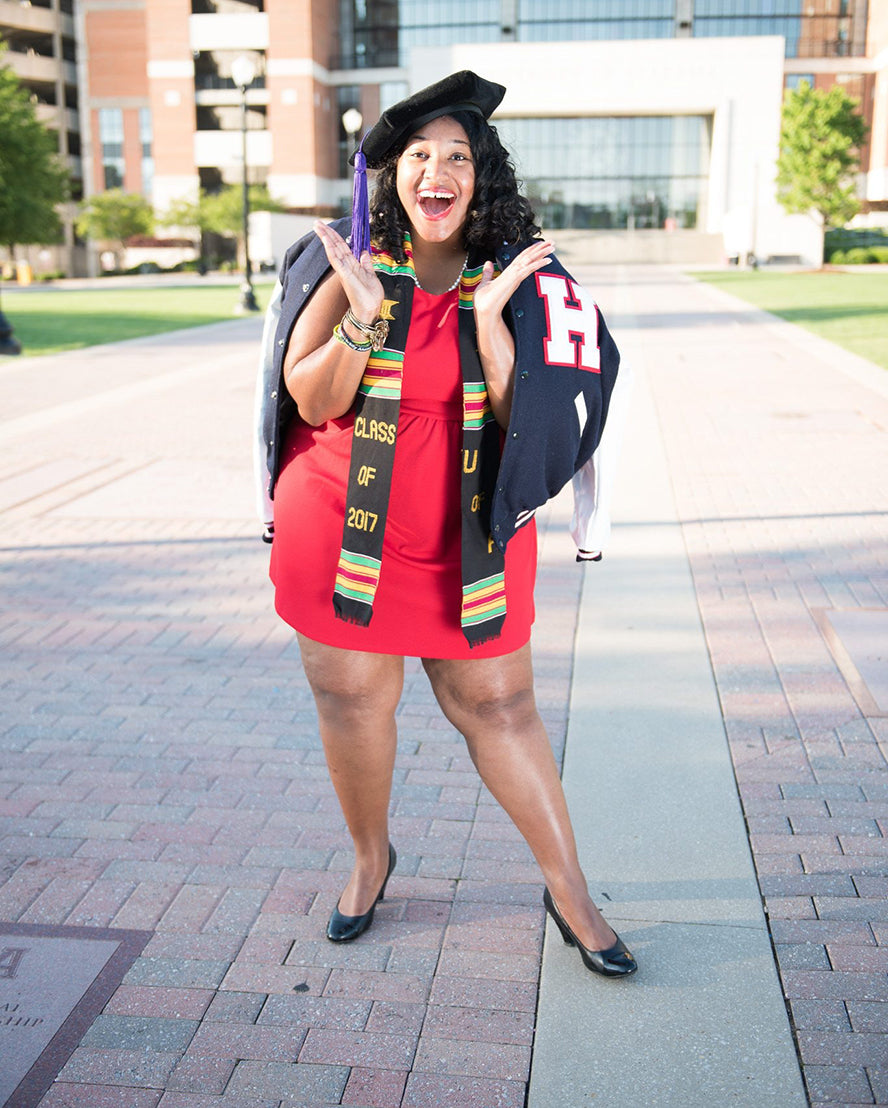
(161, 770)
(160, 767)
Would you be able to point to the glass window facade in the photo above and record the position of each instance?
(111, 140)
(570, 20)
(382, 32)
(615, 171)
(809, 33)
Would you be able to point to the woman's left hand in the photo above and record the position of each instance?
(491, 296)
(496, 346)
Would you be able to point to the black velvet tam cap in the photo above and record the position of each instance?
(460, 92)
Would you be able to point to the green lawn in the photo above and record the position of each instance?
(849, 309)
(46, 321)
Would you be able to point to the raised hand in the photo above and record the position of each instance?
(491, 296)
(358, 278)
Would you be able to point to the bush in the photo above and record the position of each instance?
(143, 267)
(844, 238)
(880, 254)
(857, 255)
(837, 257)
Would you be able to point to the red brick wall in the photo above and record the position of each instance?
(172, 97)
(117, 53)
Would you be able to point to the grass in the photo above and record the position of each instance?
(47, 321)
(849, 309)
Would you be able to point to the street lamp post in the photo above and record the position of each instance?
(352, 121)
(243, 70)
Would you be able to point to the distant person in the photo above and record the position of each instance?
(428, 393)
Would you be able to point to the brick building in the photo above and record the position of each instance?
(655, 121)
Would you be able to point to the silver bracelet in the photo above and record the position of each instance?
(377, 332)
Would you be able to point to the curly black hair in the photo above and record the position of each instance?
(499, 213)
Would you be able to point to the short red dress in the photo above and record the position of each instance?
(417, 607)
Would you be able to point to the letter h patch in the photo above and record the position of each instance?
(572, 323)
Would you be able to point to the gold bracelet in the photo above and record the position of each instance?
(341, 336)
(377, 332)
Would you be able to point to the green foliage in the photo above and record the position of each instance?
(860, 255)
(32, 179)
(820, 139)
(220, 212)
(115, 216)
(843, 238)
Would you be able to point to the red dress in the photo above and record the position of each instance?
(417, 607)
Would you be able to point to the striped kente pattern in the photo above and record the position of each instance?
(476, 406)
(357, 576)
(383, 375)
(467, 285)
(484, 600)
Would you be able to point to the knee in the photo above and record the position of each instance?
(354, 701)
(501, 708)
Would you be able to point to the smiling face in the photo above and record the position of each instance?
(436, 181)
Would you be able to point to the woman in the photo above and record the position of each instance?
(401, 363)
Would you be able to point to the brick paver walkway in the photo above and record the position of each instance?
(160, 767)
(161, 770)
(779, 464)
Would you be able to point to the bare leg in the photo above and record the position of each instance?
(356, 696)
(491, 702)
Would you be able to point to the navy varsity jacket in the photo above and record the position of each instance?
(567, 378)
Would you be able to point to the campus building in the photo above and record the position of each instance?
(652, 122)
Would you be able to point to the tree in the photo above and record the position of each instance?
(820, 138)
(115, 216)
(32, 179)
(221, 212)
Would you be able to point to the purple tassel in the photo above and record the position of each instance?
(360, 236)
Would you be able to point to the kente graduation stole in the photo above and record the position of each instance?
(373, 453)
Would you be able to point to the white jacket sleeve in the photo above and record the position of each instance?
(264, 389)
(593, 485)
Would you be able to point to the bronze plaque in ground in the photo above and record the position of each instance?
(54, 981)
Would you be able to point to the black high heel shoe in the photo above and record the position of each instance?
(342, 929)
(616, 961)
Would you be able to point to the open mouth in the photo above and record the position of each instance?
(435, 203)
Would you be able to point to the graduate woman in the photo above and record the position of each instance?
(431, 388)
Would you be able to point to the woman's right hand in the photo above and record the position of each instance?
(358, 278)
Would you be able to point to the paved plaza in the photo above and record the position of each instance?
(716, 688)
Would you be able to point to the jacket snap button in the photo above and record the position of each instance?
(520, 313)
(524, 375)
(305, 288)
(514, 434)
(497, 527)
(274, 395)
(280, 342)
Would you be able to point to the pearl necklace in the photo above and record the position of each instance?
(452, 287)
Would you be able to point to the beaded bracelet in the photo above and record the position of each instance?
(342, 337)
(377, 332)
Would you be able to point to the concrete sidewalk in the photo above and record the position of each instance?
(161, 771)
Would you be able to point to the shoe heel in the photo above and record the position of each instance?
(568, 938)
(566, 933)
(393, 858)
